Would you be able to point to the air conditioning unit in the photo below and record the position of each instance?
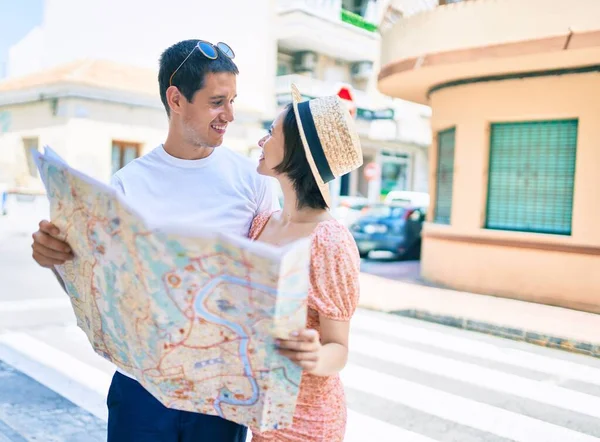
(305, 61)
(362, 70)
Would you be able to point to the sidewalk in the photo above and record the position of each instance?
(540, 324)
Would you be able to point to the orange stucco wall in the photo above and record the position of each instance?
(460, 255)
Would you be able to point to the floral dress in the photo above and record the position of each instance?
(333, 293)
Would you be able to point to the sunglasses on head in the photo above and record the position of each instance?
(209, 51)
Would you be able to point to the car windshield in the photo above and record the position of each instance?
(385, 211)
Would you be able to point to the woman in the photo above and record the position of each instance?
(308, 145)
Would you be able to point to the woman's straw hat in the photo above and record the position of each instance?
(329, 137)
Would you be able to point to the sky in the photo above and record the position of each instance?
(17, 17)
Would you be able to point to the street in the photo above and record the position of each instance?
(406, 380)
(386, 267)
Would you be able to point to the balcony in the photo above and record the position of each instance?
(323, 26)
(483, 38)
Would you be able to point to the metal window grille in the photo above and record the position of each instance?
(445, 176)
(531, 176)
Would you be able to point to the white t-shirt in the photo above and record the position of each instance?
(222, 191)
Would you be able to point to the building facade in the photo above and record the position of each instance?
(514, 168)
(324, 46)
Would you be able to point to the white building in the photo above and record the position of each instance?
(99, 114)
(327, 45)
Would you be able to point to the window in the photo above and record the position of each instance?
(123, 153)
(445, 176)
(28, 145)
(356, 6)
(283, 69)
(395, 173)
(284, 64)
(531, 176)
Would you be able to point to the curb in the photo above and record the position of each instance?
(561, 343)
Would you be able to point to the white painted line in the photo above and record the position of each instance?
(77, 381)
(471, 347)
(361, 428)
(481, 376)
(27, 305)
(457, 409)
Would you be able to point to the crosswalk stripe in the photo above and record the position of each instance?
(481, 376)
(457, 409)
(361, 428)
(471, 347)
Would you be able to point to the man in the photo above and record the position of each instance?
(187, 181)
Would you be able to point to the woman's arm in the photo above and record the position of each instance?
(334, 350)
(335, 270)
(321, 357)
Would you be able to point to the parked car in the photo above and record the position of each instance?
(391, 228)
(350, 208)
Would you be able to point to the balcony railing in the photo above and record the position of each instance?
(357, 20)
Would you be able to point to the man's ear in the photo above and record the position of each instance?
(174, 99)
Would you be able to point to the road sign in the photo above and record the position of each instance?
(346, 94)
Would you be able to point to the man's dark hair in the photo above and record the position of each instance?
(190, 77)
(295, 165)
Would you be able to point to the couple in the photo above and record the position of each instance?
(191, 180)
